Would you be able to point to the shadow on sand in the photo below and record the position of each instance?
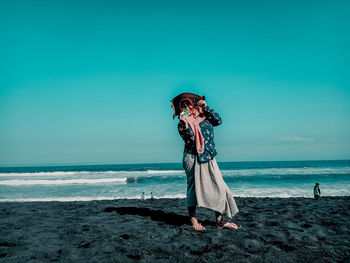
(156, 215)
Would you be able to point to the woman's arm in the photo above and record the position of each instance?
(212, 116)
(186, 133)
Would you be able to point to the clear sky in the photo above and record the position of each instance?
(90, 82)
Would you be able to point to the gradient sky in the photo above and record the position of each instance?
(90, 82)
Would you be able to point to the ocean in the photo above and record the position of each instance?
(168, 180)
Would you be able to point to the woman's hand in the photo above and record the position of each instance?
(202, 104)
(182, 117)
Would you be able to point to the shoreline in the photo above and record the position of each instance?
(88, 199)
(272, 229)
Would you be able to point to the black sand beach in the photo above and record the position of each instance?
(272, 230)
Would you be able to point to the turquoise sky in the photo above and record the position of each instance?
(90, 82)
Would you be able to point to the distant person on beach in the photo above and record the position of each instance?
(205, 185)
(143, 196)
(152, 198)
(317, 191)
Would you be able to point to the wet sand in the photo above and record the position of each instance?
(272, 230)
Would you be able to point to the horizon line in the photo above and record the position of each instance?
(100, 164)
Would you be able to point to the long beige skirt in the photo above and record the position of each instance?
(205, 179)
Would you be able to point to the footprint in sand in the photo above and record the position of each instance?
(306, 225)
(272, 223)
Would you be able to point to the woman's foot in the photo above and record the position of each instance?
(220, 223)
(197, 226)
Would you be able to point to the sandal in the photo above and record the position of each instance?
(198, 226)
(201, 228)
(225, 224)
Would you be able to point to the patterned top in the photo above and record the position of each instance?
(213, 119)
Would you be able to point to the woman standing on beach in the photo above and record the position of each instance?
(205, 185)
